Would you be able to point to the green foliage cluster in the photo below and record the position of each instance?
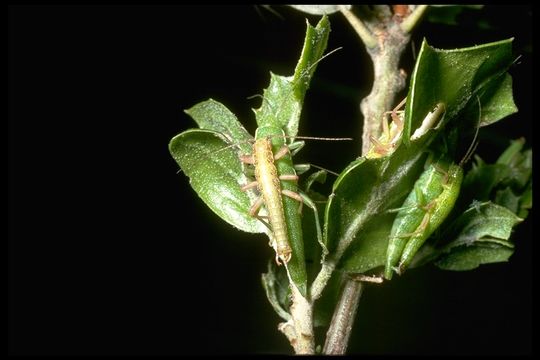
(357, 219)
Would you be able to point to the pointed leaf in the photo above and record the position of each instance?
(284, 97)
(497, 100)
(454, 77)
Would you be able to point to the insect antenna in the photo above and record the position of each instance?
(515, 62)
(312, 138)
(322, 168)
(318, 138)
(264, 100)
(303, 74)
(474, 143)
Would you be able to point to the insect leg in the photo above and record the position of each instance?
(294, 196)
(301, 168)
(249, 185)
(307, 200)
(413, 245)
(254, 210)
(395, 111)
(401, 208)
(281, 152)
(273, 244)
(406, 224)
(378, 147)
(296, 146)
(420, 229)
(247, 159)
(291, 177)
(395, 119)
(390, 136)
(440, 170)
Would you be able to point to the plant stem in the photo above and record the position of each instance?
(321, 280)
(412, 20)
(367, 38)
(340, 328)
(299, 329)
(392, 37)
(389, 80)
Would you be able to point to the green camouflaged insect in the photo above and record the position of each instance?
(425, 208)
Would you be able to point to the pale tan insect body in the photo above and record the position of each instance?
(269, 186)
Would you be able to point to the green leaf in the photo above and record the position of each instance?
(454, 77)
(525, 203)
(275, 284)
(520, 167)
(369, 250)
(507, 182)
(497, 100)
(486, 220)
(357, 221)
(284, 97)
(508, 199)
(470, 257)
(212, 115)
(508, 156)
(216, 176)
(478, 236)
(482, 179)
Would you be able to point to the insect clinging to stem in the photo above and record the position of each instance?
(275, 175)
(269, 173)
(268, 183)
(391, 135)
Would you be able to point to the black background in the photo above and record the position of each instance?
(110, 250)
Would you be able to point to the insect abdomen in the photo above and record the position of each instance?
(270, 188)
